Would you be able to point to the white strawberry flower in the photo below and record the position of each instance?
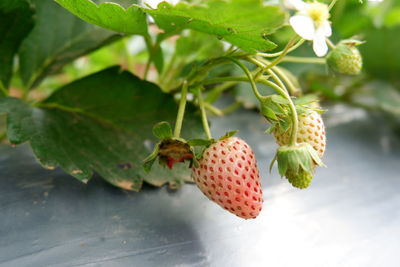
(312, 23)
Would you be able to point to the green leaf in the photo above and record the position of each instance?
(244, 23)
(100, 123)
(198, 46)
(228, 134)
(162, 130)
(16, 21)
(149, 161)
(57, 38)
(109, 15)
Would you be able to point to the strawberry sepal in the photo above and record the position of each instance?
(297, 163)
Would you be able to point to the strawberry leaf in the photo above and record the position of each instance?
(101, 123)
(109, 15)
(57, 38)
(16, 21)
(162, 130)
(243, 23)
(228, 134)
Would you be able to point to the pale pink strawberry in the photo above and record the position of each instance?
(228, 175)
(311, 131)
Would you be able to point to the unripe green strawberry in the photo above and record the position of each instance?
(345, 58)
(297, 163)
(311, 130)
(228, 175)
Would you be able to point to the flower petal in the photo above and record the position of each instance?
(319, 43)
(295, 4)
(326, 28)
(303, 26)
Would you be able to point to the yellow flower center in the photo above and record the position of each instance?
(318, 12)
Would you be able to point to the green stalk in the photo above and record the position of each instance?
(294, 47)
(249, 76)
(262, 62)
(330, 44)
(149, 45)
(181, 110)
(292, 89)
(307, 60)
(332, 4)
(204, 119)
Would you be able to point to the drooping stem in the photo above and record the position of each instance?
(292, 48)
(331, 45)
(277, 60)
(307, 60)
(249, 76)
(292, 89)
(149, 45)
(181, 110)
(204, 119)
(292, 107)
(332, 4)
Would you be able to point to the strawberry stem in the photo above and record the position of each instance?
(294, 47)
(306, 60)
(332, 4)
(181, 110)
(249, 76)
(204, 119)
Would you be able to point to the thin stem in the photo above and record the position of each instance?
(127, 54)
(269, 71)
(214, 110)
(292, 107)
(181, 110)
(249, 76)
(308, 60)
(331, 45)
(261, 64)
(293, 90)
(213, 95)
(150, 48)
(277, 60)
(294, 47)
(204, 119)
(224, 79)
(332, 4)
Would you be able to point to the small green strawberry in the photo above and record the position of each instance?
(297, 163)
(346, 58)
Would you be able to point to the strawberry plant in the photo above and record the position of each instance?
(146, 120)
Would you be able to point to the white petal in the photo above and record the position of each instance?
(295, 4)
(319, 43)
(326, 28)
(303, 26)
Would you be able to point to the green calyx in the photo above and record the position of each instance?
(346, 58)
(169, 150)
(297, 163)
